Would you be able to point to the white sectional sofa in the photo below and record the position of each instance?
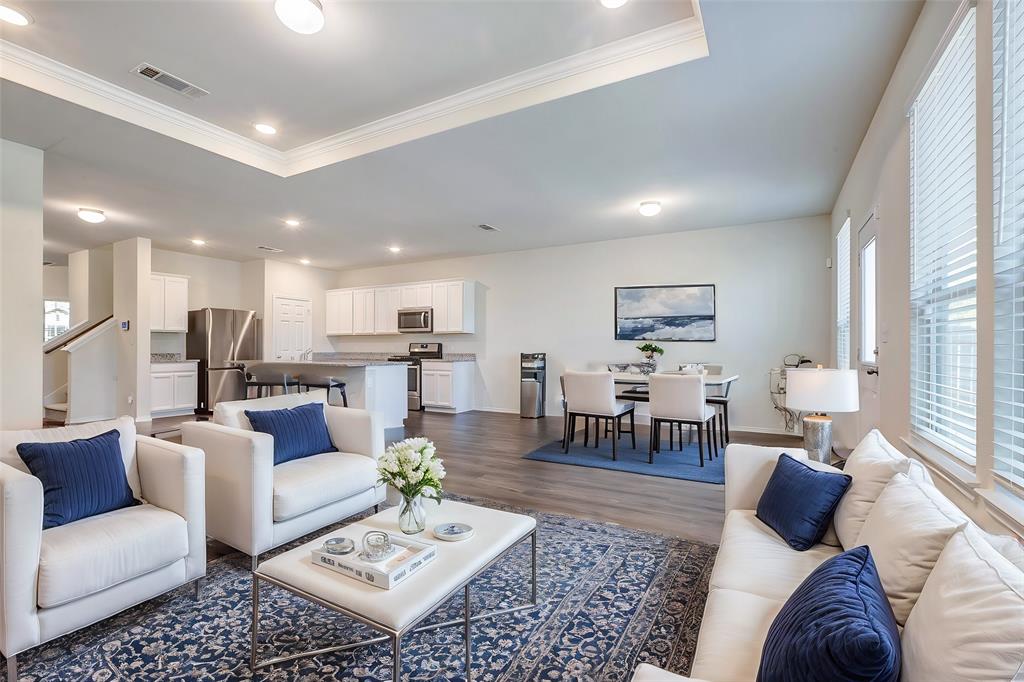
(255, 506)
(756, 571)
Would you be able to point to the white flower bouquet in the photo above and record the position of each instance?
(412, 468)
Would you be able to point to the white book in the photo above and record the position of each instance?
(412, 555)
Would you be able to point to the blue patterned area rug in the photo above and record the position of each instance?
(683, 464)
(610, 599)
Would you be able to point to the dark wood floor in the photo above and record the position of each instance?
(483, 453)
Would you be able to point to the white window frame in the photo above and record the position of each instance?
(843, 256)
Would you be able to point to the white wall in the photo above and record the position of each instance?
(55, 282)
(772, 300)
(213, 282)
(132, 268)
(879, 182)
(21, 286)
(91, 284)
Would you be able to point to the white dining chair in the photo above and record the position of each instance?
(591, 395)
(678, 399)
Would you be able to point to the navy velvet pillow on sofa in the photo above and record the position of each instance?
(838, 625)
(80, 478)
(798, 503)
(298, 432)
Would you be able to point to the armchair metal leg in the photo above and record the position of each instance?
(255, 561)
(12, 668)
(376, 509)
(198, 585)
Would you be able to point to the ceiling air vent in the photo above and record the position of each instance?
(488, 228)
(270, 249)
(150, 72)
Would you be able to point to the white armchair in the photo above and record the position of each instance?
(255, 506)
(58, 580)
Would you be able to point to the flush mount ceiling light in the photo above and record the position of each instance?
(265, 128)
(13, 16)
(91, 215)
(304, 261)
(292, 222)
(649, 208)
(198, 242)
(395, 249)
(613, 4)
(301, 16)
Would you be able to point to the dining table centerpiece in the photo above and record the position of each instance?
(650, 362)
(412, 468)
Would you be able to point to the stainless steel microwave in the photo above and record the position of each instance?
(416, 320)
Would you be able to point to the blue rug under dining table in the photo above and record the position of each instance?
(682, 464)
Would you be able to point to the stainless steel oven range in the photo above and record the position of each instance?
(417, 353)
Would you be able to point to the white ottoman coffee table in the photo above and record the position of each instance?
(397, 611)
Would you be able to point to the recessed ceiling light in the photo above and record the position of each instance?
(198, 242)
(13, 16)
(292, 222)
(304, 261)
(394, 249)
(91, 215)
(649, 208)
(265, 128)
(301, 16)
(613, 4)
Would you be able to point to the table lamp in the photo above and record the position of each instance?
(819, 391)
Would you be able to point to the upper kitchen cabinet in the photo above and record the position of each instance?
(365, 311)
(338, 313)
(168, 303)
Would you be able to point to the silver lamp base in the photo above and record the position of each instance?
(818, 437)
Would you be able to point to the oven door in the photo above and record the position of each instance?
(415, 320)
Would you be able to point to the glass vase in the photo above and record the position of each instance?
(412, 515)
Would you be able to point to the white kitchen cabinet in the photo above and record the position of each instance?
(416, 295)
(173, 387)
(387, 301)
(362, 311)
(447, 386)
(168, 303)
(454, 306)
(338, 319)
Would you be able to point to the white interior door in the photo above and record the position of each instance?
(293, 328)
(867, 326)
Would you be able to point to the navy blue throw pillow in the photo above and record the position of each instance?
(298, 432)
(81, 478)
(838, 625)
(798, 502)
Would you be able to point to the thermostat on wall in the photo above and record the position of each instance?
(124, 325)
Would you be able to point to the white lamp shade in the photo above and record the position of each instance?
(822, 390)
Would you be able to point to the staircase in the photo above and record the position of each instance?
(55, 414)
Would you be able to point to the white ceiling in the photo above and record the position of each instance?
(371, 60)
(765, 128)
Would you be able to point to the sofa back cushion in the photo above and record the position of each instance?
(837, 625)
(81, 478)
(798, 502)
(906, 530)
(232, 413)
(872, 464)
(968, 623)
(298, 432)
(125, 426)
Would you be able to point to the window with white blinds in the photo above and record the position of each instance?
(843, 297)
(1008, 242)
(943, 250)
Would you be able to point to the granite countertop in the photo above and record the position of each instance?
(166, 358)
(382, 358)
(325, 363)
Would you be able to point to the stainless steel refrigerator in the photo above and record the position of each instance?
(223, 341)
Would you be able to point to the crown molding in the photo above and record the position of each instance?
(652, 50)
(41, 73)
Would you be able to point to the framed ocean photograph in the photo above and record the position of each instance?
(678, 312)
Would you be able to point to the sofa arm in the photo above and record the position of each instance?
(21, 536)
(649, 673)
(357, 431)
(173, 478)
(239, 484)
(747, 470)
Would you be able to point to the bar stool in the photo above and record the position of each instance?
(678, 399)
(268, 378)
(591, 395)
(320, 381)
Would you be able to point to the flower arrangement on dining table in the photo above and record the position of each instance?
(412, 468)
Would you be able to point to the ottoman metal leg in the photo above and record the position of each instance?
(469, 639)
(255, 623)
(396, 655)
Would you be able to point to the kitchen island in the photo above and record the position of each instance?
(375, 385)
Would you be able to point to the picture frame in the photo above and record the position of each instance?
(666, 312)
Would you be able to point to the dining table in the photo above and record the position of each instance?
(639, 382)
